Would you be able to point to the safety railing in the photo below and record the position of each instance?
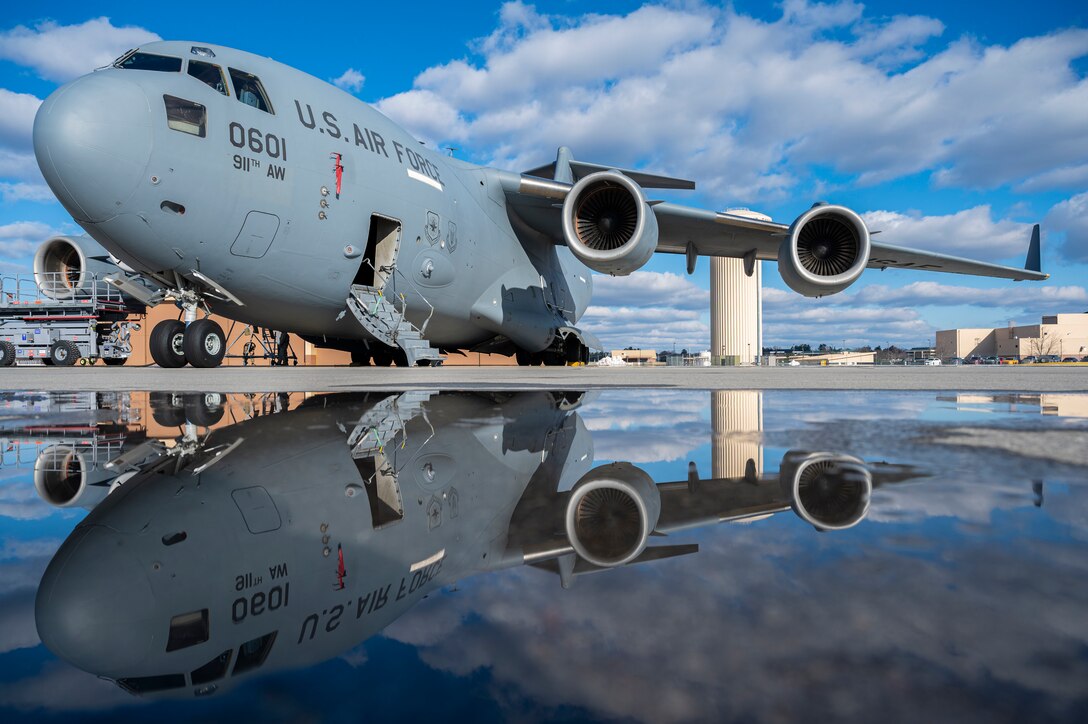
(391, 273)
(57, 289)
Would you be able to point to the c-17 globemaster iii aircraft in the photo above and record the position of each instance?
(285, 540)
(242, 186)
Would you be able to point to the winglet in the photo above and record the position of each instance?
(1033, 263)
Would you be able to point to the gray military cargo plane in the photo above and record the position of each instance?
(243, 186)
(287, 539)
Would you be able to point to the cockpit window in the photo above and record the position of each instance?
(210, 74)
(252, 654)
(213, 670)
(145, 684)
(148, 61)
(188, 629)
(185, 116)
(248, 89)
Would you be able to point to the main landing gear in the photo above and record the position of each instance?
(201, 343)
(566, 351)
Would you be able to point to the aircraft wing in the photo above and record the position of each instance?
(537, 202)
(723, 234)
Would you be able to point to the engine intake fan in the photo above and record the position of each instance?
(64, 477)
(830, 491)
(826, 250)
(611, 512)
(608, 225)
(65, 266)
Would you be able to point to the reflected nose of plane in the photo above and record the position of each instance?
(92, 139)
(95, 607)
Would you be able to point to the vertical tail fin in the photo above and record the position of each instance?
(1033, 263)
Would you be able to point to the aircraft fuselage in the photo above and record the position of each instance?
(277, 205)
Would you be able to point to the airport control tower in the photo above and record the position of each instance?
(736, 307)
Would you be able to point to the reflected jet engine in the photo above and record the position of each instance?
(611, 513)
(829, 491)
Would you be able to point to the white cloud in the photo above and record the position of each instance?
(747, 106)
(17, 112)
(16, 164)
(647, 328)
(649, 289)
(1062, 177)
(21, 238)
(1071, 218)
(351, 80)
(62, 52)
(11, 192)
(971, 231)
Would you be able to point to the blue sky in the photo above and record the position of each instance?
(952, 128)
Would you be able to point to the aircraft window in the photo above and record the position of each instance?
(148, 61)
(248, 89)
(145, 684)
(185, 116)
(188, 629)
(252, 654)
(214, 669)
(210, 74)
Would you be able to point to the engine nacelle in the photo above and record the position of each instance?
(608, 225)
(611, 512)
(827, 490)
(65, 266)
(65, 478)
(825, 252)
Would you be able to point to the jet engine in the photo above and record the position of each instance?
(611, 512)
(828, 490)
(65, 478)
(64, 265)
(825, 252)
(608, 225)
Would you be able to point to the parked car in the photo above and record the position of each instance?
(974, 360)
(1029, 360)
(1049, 358)
(1070, 359)
(954, 361)
(990, 361)
(1084, 358)
(932, 362)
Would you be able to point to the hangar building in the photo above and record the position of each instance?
(1064, 335)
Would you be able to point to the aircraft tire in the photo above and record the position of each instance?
(205, 344)
(7, 354)
(166, 409)
(204, 409)
(167, 344)
(64, 353)
(524, 359)
(360, 357)
(383, 357)
(114, 361)
(400, 359)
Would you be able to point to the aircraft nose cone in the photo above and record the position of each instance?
(95, 607)
(92, 140)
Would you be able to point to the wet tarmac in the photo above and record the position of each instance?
(658, 555)
(1035, 378)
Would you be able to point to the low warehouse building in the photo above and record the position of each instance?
(1060, 335)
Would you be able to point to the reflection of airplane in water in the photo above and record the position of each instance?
(282, 541)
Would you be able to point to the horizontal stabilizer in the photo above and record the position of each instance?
(579, 169)
(1033, 262)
